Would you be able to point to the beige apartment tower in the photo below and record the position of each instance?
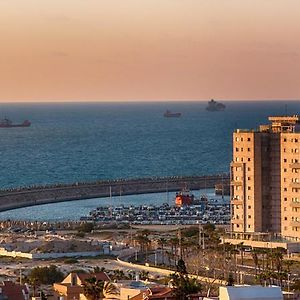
(265, 178)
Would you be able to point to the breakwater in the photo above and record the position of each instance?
(29, 196)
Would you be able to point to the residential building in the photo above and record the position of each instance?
(13, 291)
(265, 178)
(71, 287)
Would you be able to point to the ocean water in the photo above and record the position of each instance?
(91, 141)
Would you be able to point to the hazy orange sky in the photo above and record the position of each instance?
(149, 49)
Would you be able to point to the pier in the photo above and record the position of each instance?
(37, 195)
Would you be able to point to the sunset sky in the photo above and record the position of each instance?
(117, 50)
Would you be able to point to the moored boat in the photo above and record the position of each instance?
(169, 114)
(215, 106)
(7, 123)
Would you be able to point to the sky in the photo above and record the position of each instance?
(137, 50)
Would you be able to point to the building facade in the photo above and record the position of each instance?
(265, 178)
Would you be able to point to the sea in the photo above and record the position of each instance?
(81, 142)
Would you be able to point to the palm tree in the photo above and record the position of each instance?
(110, 289)
(254, 254)
(240, 247)
(118, 275)
(174, 246)
(93, 288)
(161, 243)
(144, 242)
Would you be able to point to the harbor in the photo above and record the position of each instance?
(214, 210)
(74, 210)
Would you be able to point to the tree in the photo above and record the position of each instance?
(161, 243)
(144, 242)
(86, 227)
(182, 284)
(181, 268)
(110, 289)
(144, 275)
(230, 280)
(45, 275)
(93, 288)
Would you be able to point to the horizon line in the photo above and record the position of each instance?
(140, 101)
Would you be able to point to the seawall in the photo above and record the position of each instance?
(29, 196)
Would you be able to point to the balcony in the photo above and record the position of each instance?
(295, 165)
(236, 164)
(294, 204)
(235, 201)
(295, 223)
(233, 182)
(295, 185)
(238, 221)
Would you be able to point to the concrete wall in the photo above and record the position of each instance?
(10, 199)
(4, 252)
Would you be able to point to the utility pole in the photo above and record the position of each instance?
(180, 246)
(20, 275)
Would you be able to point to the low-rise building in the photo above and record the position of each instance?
(71, 287)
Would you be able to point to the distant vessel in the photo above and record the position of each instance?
(215, 106)
(169, 114)
(7, 123)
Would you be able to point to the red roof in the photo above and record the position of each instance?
(13, 291)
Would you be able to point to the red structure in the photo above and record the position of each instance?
(184, 198)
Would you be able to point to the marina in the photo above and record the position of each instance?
(202, 211)
(74, 210)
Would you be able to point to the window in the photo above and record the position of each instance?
(237, 149)
(249, 206)
(249, 159)
(249, 178)
(248, 169)
(249, 216)
(249, 139)
(285, 199)
(284, 139)
(249, 188)
(249, 149)
(285, 160)
(284, 170)
(285, 218)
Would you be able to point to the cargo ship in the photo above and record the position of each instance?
(215, 106)
(169, 114)
(7, 123)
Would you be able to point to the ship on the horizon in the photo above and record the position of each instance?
(7, 123)
(169, 114)
(215, 106)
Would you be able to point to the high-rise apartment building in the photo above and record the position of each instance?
(265, 178)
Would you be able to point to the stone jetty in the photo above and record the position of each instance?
(29, 196)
